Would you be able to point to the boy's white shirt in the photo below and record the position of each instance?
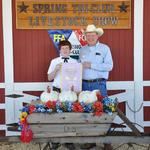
(54, 62)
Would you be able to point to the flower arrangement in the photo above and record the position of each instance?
(97, 105)
(109, 105)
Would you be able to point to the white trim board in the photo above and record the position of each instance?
(146, 103)
(8, 51)
(146, 83)
(39, 86)
(31, 86)
(138, 40)
(146, 123)
(3, 127)
(120, 85)
(2, 106)
(111, 85)
(2, 85)
(138, 60)
(8, 43)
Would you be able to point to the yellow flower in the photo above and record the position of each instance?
(23, 115)
(113, 109)
(22, 119)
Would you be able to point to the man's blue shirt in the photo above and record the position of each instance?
(100, 58)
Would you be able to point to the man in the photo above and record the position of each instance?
(97, 61)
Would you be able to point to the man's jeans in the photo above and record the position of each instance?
(99, 85)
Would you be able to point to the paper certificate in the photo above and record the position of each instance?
(71, 75)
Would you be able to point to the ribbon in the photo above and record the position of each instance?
(65, 59)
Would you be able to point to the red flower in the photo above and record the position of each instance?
(50, 104)
(98, 108)
(26, 134)
(32, 108)
(23, 121)
(77, 107)
(99, 96)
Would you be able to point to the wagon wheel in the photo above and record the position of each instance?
(49, 146)
(149, 147)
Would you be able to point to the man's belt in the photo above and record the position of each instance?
(94, 80)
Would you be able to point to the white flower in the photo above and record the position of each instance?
(52, 96)
(87, 96)
(67, 96)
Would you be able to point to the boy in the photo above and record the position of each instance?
(55, 66)
(54, 74)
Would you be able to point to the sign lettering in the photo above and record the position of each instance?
(70, 14)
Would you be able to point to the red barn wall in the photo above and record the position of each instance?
(146, 60)
(33, 51)
(2, 91)
(146, 46)
(1, 47)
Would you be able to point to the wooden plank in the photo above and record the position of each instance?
(71, 129)
(68, 127)
(58, 118)
(128, 122)
(99, 139)
(53, 135)
(69, 134)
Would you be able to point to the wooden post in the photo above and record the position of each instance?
(128, 122)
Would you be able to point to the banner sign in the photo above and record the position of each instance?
(71, 14)
(59, 35)
(71, 76)
(75, 37)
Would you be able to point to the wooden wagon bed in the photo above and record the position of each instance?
(80, 128)
(69, 124)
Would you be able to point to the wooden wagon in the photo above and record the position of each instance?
(75, 127)
(64, 126)
(69, 124)
(79, 128)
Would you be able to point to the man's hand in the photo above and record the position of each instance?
(86, 64)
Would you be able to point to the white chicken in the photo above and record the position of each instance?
(88, 96)
(49, 95)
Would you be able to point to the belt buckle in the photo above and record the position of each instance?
(93, 80)
(89, 81)
(99, 79)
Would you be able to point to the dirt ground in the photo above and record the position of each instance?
(36, 146)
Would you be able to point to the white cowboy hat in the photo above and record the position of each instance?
(92, 28)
